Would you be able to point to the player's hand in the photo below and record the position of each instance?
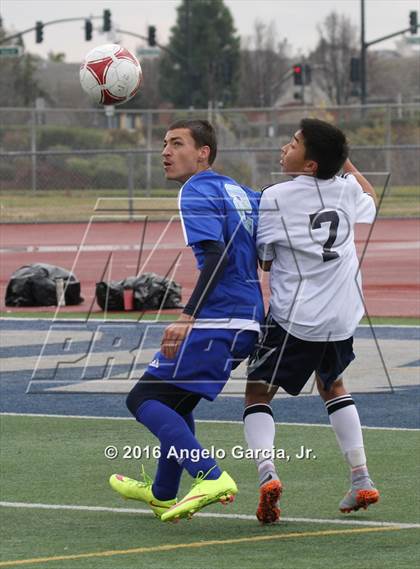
(175, 334)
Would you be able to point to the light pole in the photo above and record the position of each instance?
(362, 54)
(413, 28)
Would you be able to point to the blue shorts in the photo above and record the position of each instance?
(205, 360)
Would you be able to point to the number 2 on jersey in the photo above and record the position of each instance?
(332, 218)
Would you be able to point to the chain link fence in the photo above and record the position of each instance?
(119, 150)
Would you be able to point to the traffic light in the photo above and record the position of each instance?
(151, 36)
(106, 26)
(88, 30)
(413, 22)
(355, 69)
(39, 32)
(297, 74)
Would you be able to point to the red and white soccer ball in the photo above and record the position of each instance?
(110, 74)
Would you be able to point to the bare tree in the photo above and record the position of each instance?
(263, 63)
(393, 76)
(337, 45)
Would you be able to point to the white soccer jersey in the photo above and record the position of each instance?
(306, 227)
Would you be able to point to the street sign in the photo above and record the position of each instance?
(413, 39)
(147, 52)
(11, 50)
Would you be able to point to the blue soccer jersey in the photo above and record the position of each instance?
(215, 207)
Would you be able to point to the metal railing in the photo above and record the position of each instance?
(48, 149)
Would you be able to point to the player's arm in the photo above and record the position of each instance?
(265, 247)
(202, 221)
(367, 187)
(215, 261)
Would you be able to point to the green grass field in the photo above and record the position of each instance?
(78, 205)
(61, 461)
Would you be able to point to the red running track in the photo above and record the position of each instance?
(391, 274)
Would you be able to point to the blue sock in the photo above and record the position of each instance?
(168, 473)
(174, 433)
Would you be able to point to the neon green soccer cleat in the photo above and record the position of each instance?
(142, 491)
(203, 493)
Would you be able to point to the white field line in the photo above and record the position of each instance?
(89, 248)
(70, 320)
(373, 247)
(23, 319)
(152, 318)
(28, 505)
(216, 421)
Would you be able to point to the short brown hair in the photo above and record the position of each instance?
(202, 132)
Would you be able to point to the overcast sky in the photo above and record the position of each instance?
(295, 20)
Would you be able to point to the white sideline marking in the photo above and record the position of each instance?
(125, 320)
(204, 515)
(43, 319)
(87, 248)
(373, 247)
(69, 320)
(221, 421)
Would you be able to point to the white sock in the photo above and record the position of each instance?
(259, 430)
(345, 421)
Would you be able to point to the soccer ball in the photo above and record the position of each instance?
(110, 74)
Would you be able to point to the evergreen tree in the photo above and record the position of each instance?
(18, 83)
(207, 67)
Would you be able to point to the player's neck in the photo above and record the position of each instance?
(200, 170)
(185, 179)
(203, 168)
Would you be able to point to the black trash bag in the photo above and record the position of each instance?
(109, 296)
(36, 285)
(150, 291)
